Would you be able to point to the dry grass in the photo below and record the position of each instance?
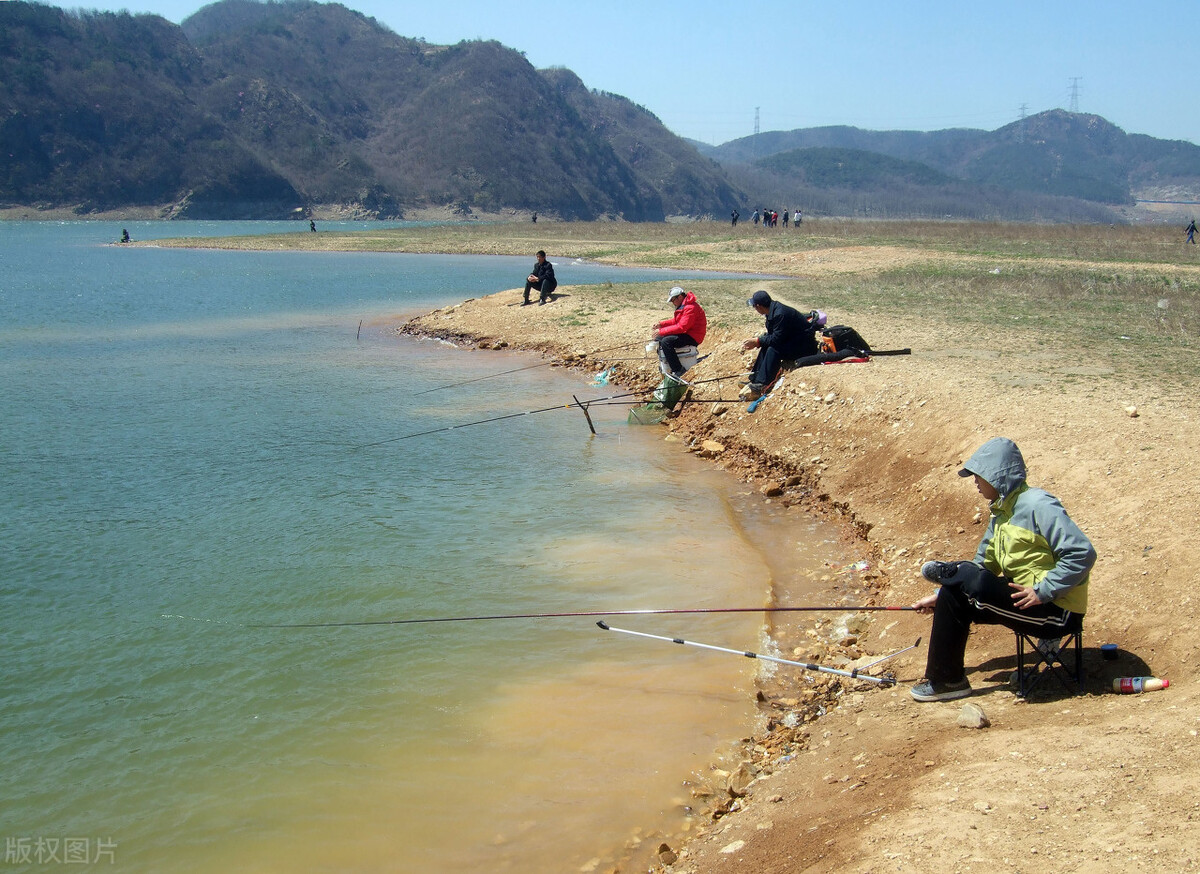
(1099, 291)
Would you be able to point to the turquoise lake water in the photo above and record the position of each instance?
(193, 444)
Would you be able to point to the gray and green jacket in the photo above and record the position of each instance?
(1030, 539)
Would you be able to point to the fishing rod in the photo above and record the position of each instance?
(680, 401)
(647, 612)
(855, 674)
(515, 370)
(461, 425)
(574, 403)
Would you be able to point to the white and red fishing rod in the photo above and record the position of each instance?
(854, 674)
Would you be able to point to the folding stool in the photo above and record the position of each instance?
(1031, 658)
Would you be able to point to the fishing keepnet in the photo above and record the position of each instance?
(668, 394)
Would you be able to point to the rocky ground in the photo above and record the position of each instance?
(1091, 783)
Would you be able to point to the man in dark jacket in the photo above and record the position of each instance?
(542, 278)
(789, 335)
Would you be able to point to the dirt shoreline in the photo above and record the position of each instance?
(1097, 782)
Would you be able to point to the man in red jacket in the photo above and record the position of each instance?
(686, 327)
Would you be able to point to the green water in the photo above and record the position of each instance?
(194, 443)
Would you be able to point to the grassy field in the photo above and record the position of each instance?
(1125, 295)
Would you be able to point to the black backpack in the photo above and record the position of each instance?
(836, 338)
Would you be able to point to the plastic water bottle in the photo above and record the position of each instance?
(1133, 685)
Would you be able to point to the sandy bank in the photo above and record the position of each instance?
(1093, 783)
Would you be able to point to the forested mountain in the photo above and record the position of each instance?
(271, 109)
(99, 111)
(260, 109)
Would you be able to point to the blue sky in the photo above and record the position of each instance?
(704, 66)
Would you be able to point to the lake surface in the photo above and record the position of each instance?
(196, 443)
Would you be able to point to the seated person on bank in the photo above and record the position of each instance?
(1030, 572)
(789, 335)
(686, 327)
(542, 278)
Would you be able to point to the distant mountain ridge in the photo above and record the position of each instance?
(1055, 153)
(288, 107)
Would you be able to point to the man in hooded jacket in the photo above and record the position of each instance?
(1030, 572)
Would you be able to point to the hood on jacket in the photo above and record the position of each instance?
(1000, 463)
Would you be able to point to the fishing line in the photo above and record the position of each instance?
(516, 370)
(855, 674)
(569, 406)
(585, 613)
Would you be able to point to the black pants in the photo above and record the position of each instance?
(770, 360)
(542, 294)
(974, 594)
(667, 346)
(827, 357)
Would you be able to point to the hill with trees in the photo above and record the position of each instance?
(266, 109)
(290, 107)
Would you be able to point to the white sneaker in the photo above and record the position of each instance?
(1049, 646)
(927, 691)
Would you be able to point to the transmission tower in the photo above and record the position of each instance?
(756, 131)
(1024, 111)
(1075, 93)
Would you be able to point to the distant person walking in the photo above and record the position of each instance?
(1191, 232)
(734, 217)
(798, 217)
(785, 218)
(756, 218)
(312, 226)
(535, 218)
(542, 278)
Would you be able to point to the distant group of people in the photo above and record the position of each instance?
(770, 217)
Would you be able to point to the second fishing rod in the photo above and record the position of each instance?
(574, 404)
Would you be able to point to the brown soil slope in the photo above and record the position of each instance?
(1098, 782)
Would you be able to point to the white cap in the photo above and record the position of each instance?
(675, 292)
